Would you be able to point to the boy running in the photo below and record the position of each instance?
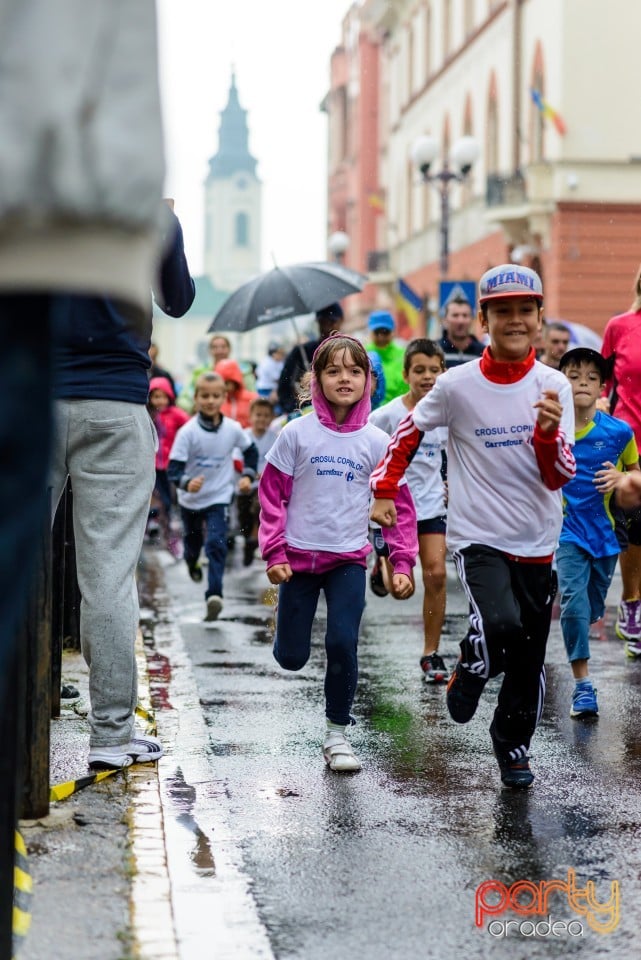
(201, 465)
(588, 550)
(510, 421)
(423, 362)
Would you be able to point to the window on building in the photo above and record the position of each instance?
(468, 131)
(411, 199)
(341, 97)
(468, 17)
(447, 28)
(492, 131)
(446, 140)
(537, 144)
(241, 231)
(410, 61)
(428, 40)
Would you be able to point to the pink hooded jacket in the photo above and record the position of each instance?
(275, 490)
(167, 422)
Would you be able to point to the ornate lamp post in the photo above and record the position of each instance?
(463, 154)
(337, 245)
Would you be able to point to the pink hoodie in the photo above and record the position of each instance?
(167, 422)
(275, 490)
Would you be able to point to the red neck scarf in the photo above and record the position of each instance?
(501, 371)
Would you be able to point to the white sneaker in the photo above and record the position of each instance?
(214, 606)
(628, 624)
(338, 753)
(142, 748)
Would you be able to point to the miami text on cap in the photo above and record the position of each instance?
(510, 280)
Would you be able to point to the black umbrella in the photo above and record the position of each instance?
(284, 293)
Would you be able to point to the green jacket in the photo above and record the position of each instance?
(392, 359)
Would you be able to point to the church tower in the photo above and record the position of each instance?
(232, 202)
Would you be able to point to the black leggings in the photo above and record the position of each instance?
(510, 613)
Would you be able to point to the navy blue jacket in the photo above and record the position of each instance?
(101, 352)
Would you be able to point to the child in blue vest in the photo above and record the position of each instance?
(588, 547)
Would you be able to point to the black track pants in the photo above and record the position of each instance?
(510, 611)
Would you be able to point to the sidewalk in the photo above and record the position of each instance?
(98, 864)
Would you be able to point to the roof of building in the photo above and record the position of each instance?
(233, 153)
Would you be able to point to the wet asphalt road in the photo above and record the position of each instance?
(386, 863)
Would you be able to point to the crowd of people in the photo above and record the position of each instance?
(512, 450)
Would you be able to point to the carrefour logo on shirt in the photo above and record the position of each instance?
(500, 431)
(497, 431)
(328, 458)
(332, 471)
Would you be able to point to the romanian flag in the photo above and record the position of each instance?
(548, 112)
(376, 202)
(409, 307)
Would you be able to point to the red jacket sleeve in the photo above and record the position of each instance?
(274, 492)
(554, 457)
(607, 349)
(402, 446)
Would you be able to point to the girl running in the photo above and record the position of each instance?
(314, 498)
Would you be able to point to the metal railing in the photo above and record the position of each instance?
(377, 261)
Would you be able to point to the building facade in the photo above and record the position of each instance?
(542, 86)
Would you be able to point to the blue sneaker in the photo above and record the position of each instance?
(516, 774)
(584, 702)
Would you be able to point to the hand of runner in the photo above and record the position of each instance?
(402, 586)
(550, 411)
(383, 512)
(279, 573)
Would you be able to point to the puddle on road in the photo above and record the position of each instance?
(250, 621)
(159, 670)
(227, 665)
(183, 797)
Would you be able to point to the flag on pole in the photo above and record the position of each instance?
(547, 111)
(409, 307)
(376, 202)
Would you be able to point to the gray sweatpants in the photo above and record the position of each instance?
(107, 448)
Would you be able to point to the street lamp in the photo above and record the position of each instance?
(463, 154)
(337, 244)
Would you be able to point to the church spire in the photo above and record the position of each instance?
(233, 151)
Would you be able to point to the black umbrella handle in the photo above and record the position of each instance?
(303, 356)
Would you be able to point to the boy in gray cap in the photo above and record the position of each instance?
(510, 423)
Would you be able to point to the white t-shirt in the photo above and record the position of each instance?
(329, 506)
(262, 444)
(424, 472)
(268, 372)
(209, 453)
(496, 495)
